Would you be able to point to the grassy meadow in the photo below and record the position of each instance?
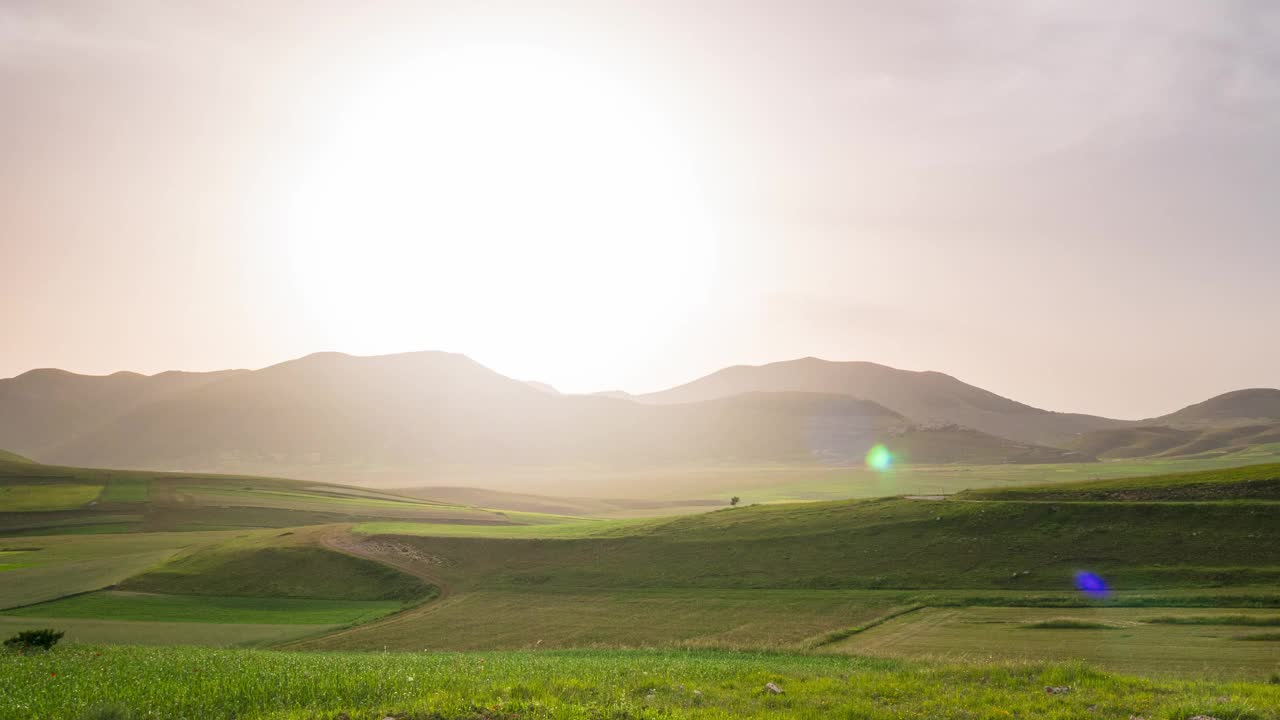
(857, 607)
(89, 682)
(798, 482)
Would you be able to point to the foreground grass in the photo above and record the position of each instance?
(255, 685)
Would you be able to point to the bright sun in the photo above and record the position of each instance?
(501, 200)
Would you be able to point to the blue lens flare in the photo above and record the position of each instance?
(879, 458)
(1091, 584)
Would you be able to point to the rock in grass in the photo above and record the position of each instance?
(772, 688)
(1058, 689)
(1203, 717)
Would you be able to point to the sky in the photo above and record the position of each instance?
(1070, 204)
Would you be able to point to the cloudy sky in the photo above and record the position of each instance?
(1072, 204)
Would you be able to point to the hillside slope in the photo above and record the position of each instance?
(993, 539)
(1166, 441)
(8, 457)
(925, 397)
(40, 499)
(1251, 406)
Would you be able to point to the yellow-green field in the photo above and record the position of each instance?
(46, 496)
(1127, 642)
(736, 619)
(54, 566)
(121, 632)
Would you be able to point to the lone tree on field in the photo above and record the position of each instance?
(733, 501)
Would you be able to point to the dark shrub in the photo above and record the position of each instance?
(34, 639)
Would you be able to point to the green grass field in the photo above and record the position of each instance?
(1253, 482)
(985, 576)
(1125, 642)
(49, 500)
(599, 685)
(98, 631)
(148, 607)
(54, 566)
(15, 498)
(787, 483)
(534, 618)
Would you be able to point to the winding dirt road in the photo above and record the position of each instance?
(402, 557)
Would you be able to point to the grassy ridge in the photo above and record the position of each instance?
(11, 457)
(1252, 482)
(268, 565)
(47, 500)
(892, 544)
(603, 685)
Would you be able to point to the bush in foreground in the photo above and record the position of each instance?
(28, 640)
(587, 685)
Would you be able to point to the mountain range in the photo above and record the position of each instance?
(435, 410)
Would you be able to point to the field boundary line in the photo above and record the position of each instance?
(836, 636)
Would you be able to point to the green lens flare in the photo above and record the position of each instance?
(879, 458)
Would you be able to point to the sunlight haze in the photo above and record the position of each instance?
(1067, 204)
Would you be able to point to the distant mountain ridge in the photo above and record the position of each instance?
(440, 410)
(436, 411)
(926, 397)
(42, 407)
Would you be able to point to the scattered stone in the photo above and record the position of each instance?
(1203, 717)
(698, 693)
(1058, 689)
(1136, 717)
(773, 688)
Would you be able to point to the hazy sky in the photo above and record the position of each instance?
(1072, 204)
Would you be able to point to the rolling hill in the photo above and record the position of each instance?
(429, 412)
(1241, 407)
(925, 397)
(40, 499)
(1167, 441)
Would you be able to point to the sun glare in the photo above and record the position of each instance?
(500, 194)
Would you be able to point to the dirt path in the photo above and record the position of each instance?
(402, 557)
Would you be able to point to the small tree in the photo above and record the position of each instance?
(733, 501)
(34, 640)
